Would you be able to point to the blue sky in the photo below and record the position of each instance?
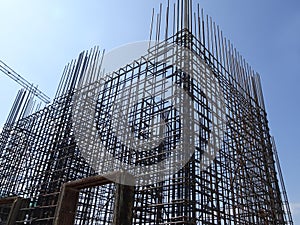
(39, 37)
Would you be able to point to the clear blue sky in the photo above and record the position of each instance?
(39, 37)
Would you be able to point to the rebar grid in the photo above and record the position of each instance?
(39, 153)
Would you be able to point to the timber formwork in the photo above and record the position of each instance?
(39, 153)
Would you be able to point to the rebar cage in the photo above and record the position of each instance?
(40, 152)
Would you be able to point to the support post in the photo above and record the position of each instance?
(124, 198)
(123, 205)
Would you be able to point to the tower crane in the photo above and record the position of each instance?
(23, 82)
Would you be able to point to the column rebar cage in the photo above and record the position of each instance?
(40, 152)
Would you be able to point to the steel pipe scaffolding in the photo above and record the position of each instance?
(186, 121)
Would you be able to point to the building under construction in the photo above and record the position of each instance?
(177, 136)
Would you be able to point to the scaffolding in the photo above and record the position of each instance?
(48, 156)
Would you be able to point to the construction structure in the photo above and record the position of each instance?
(212, 160)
